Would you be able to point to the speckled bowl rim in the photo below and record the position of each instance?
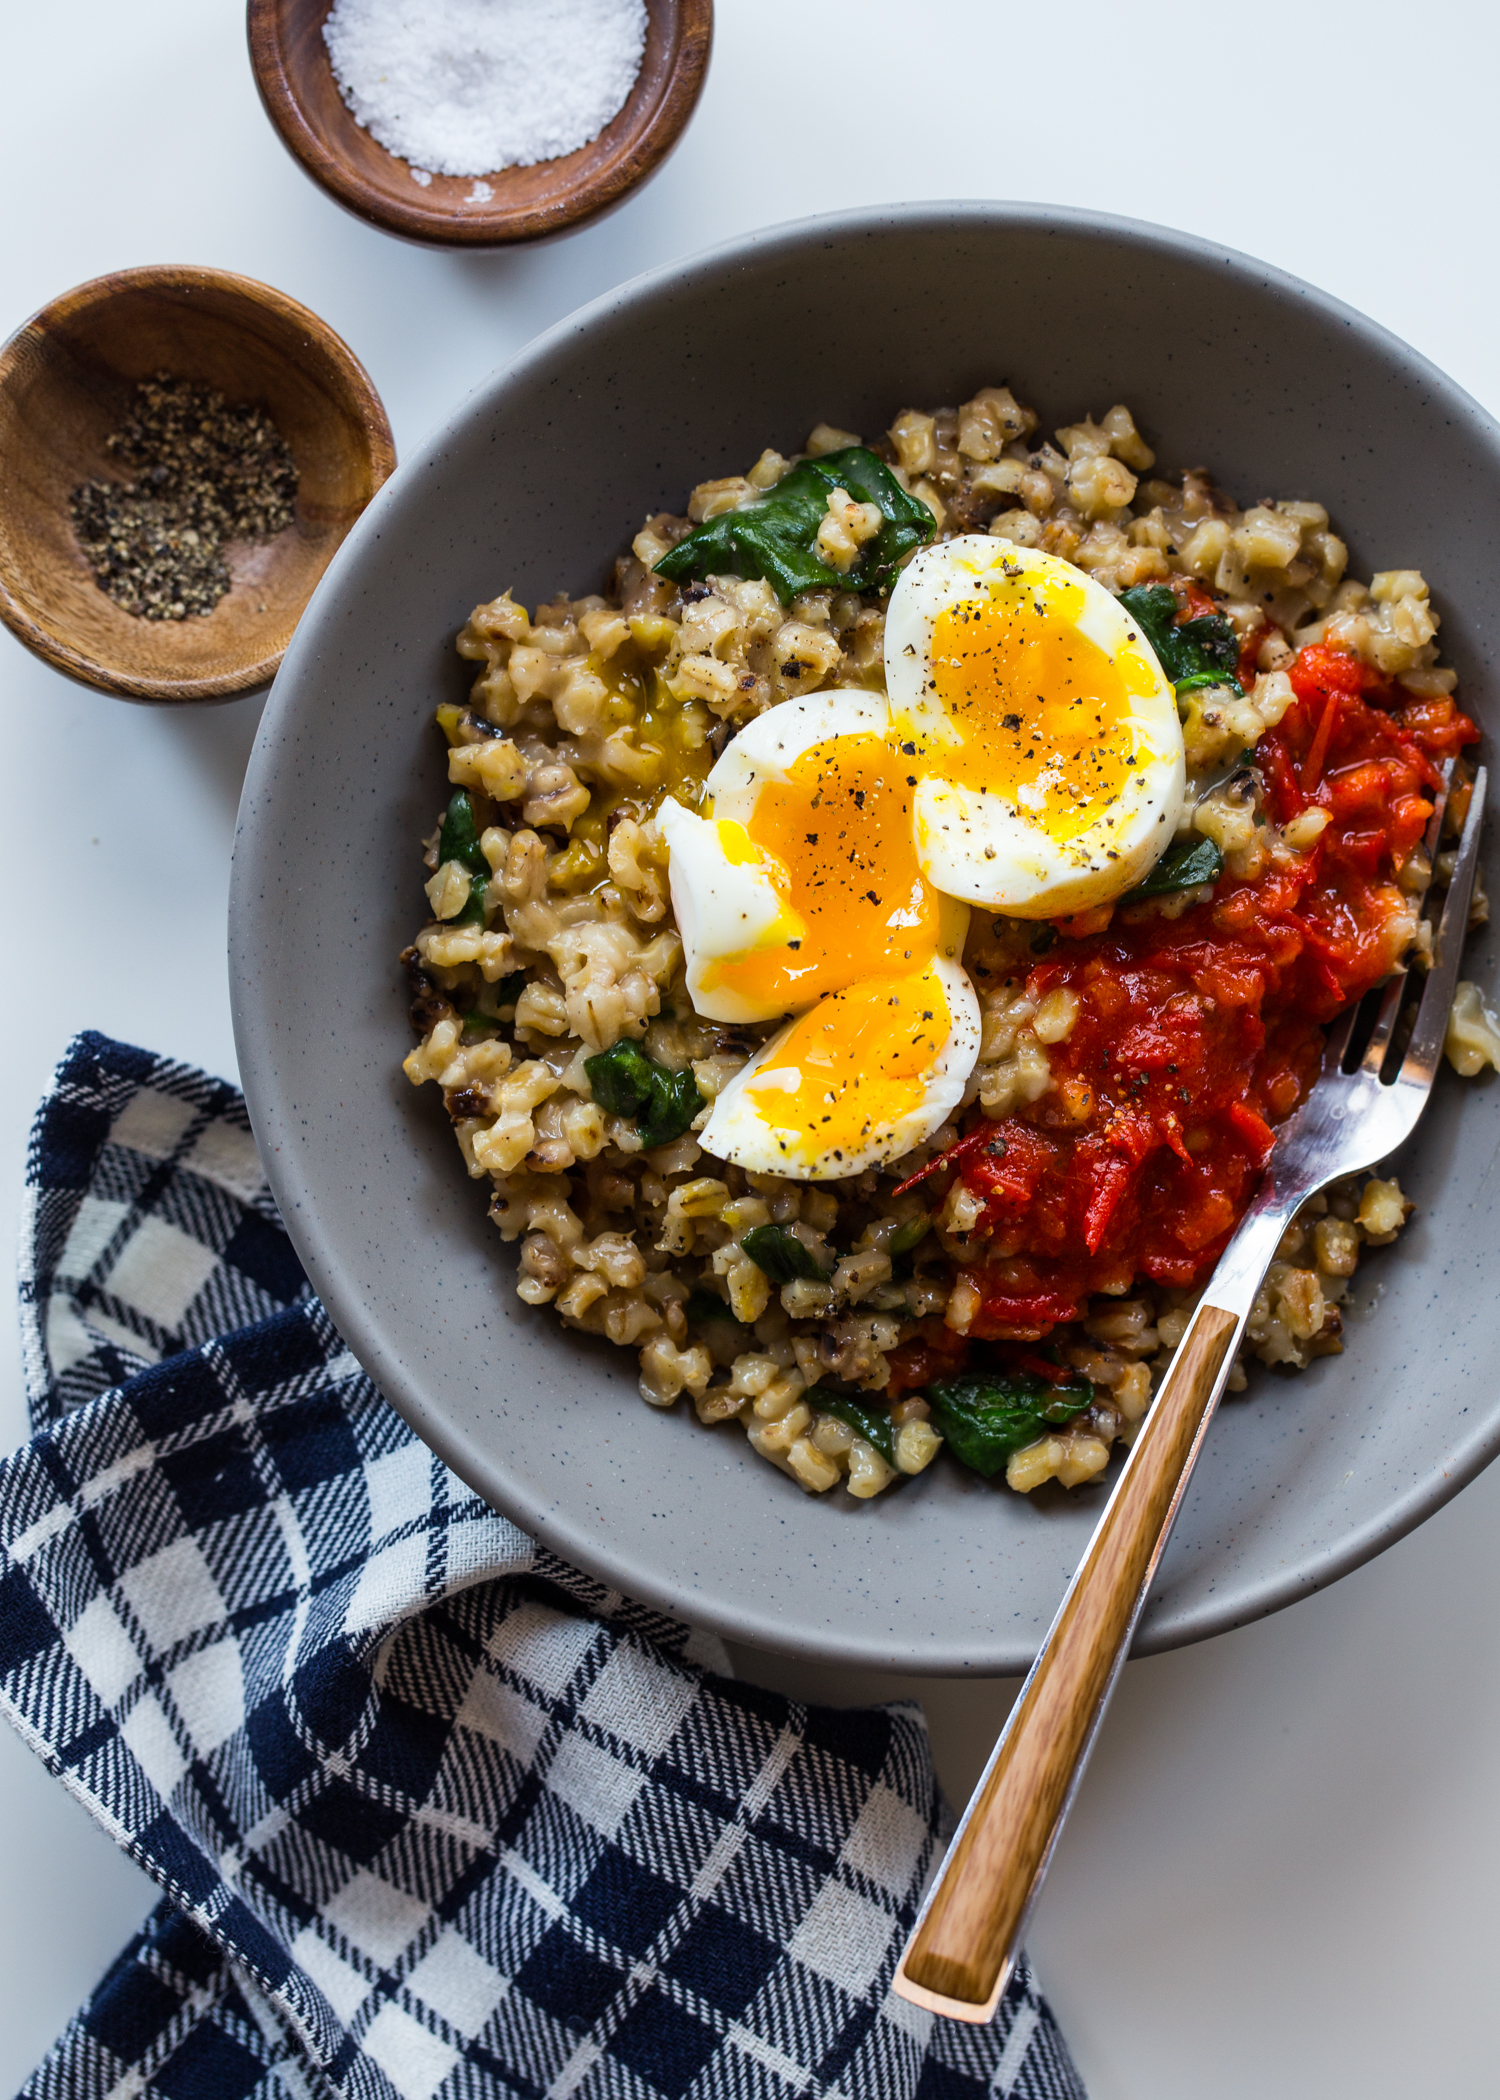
(567, 1530)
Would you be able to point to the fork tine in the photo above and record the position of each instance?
(1432, 837)
(1336, 1042)
(1385, 1021)
(1419, 1066)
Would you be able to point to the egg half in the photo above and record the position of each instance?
(1041, 727)
(859, 1079)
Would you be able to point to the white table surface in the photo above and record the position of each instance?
(1281, 1876)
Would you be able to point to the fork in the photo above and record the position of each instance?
(964, 1943)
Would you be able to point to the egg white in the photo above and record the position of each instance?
(979, 846)
(738, 1131)
(727, 908)
(723, 908)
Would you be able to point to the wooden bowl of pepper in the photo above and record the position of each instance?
(296, 81)
(181, 453)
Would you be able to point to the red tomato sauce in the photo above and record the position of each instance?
(1197, 1035)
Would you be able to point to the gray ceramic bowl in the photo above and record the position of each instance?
(536, 482)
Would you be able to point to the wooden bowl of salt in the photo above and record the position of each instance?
(71, 380)
(295, 75)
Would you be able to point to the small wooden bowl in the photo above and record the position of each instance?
(295, 78)
(66, 380)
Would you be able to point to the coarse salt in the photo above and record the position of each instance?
(465, 87)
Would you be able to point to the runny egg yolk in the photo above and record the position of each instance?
(838, 834)
(1043, 715)
(858, 1065)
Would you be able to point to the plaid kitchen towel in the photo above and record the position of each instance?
(434, 1813)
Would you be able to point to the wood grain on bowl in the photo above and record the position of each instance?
(66, 380)
(302, 99)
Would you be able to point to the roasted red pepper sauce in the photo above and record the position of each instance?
(1195, 1036)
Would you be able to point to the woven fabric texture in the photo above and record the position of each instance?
(433, 1812)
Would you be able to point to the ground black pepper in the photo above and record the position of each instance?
(206, 471)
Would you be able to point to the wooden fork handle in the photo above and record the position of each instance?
(959, 1956)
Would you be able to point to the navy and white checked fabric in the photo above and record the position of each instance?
(434, 1813)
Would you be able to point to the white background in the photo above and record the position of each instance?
(1280, 1878)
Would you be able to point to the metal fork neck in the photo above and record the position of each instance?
(1243, 1264)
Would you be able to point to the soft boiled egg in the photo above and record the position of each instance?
(1028, 758)
(801, 894)
(1040, 726)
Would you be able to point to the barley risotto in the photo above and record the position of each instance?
(871, 948)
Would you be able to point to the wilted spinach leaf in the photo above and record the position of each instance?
(1205, 651)
(473, 911)
(628, 1083)
(874, 1424)
(510, 988)
(702, 1309)
(675, 1100)
(909, 1235)
(621, 1078)
(1185, 864)
(773, 536)
(988, 1415)
(459, 838)
(780, 1255)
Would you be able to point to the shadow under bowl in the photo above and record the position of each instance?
(295, 77)
(67, 379)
